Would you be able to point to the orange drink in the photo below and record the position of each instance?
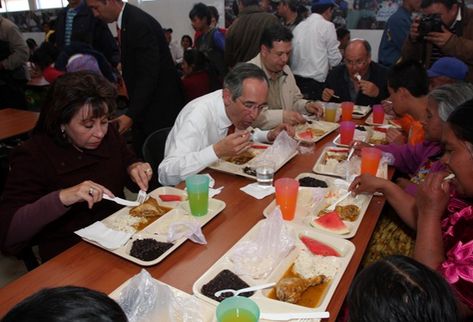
(378, 114)
(347, 131)
(370, 160)
(286, 196)
(347, 111)
(330, 112)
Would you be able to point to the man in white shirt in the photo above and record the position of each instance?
(285, 101)
(315, 49)
(202, 131)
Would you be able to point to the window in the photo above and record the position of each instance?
(14, 5)
(49, 4)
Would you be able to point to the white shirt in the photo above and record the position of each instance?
(315, 48)
(189, 146)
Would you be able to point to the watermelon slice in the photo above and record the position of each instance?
(306, 135)
(331, 222)
(171, 197)
(318, 248)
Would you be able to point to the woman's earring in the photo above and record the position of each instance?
(63, 131)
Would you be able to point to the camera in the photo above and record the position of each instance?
(429, 23)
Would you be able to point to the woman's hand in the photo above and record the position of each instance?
(366, 183)
(88, 191)
(433, 195)
(141, 173)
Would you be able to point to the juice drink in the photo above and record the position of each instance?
(198, 193)
(237, 315)
(330, 112)
(237, 309)
(286, 196)
(347, 111)
(370, 160)
(378, 114)
(347, 131)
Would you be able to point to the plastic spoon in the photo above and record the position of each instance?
(293, 315)
(244, 290)
(332, 206)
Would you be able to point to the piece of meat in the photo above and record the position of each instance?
(290, 289)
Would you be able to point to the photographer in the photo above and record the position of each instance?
(445, 29)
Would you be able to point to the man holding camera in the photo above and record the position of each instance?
(445, 29)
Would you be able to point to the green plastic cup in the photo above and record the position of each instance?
(237, 309)
(198, 194)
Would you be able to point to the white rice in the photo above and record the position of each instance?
(124, 222)
(308, 265)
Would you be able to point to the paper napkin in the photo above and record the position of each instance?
(101, 234)
(258, 191)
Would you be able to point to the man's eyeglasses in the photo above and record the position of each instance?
(358, 62)
(253, 106)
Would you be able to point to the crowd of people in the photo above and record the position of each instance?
(222, 89)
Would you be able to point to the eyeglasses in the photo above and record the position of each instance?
(358, 62)
(253, 106)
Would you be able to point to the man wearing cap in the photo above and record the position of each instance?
(285, 101)
(315, 49)
(455, 39)
(446, 70)
(288, 11)
(216, 125)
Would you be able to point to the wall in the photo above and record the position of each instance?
(373, 37)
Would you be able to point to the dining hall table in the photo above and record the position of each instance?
(90, 266)
(14, 122)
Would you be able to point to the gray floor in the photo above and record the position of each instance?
(10, 269)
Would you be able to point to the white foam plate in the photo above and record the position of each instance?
(266, 304)
(327, 127)
(206, 311)
(320, 165)
(158, 229)
(387, 120)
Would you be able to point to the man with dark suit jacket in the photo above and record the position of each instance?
(148, 70)
(359, 79)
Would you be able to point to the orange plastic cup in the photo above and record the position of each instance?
(286, 196)
(347, 131)
(347, 111)
(378, 114)
(370, 160)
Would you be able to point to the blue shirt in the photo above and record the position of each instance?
(395, 33)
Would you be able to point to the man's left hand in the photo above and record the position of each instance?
(278, 129)
(314, 108)
(368, 88)
(439, 38)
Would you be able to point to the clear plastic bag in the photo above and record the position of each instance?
(281, 149)
(259, 255)
(144, 299)
(189, 228)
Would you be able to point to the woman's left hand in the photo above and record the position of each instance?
(141, 173)
(432, 195)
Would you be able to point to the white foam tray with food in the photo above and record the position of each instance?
(359, 111)
(387, 120)
(156, 227)
(317, 297)
(314, 131)
(206, 312)
(240, 164)
(312, 201)
(332, 162)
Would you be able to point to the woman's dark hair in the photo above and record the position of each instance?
(400, 289)
(411, 75)
(200, 11)
(68, 95)
(187, 37)
(196, 59)
(66, 304)
(342, 32)
(460, 121)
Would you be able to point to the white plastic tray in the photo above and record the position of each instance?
(266, 304)
(327, 127)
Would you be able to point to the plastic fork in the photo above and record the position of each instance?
(332, 206)
(142, 196)
(244, 290)
(294, 315)
(121, 201)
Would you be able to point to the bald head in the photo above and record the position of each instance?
(357, 57)
(359, 46)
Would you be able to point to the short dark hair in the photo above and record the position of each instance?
(460, 121)
(447, 3)
(411, 75)
(292, 4)
(398, 289)
(342, 32)
(187, 37)
(67, 303)
(320, 9)
(200, 11)
(68, 94)
(196, 59)
(234, 79)
(275, 33)
(213, 12)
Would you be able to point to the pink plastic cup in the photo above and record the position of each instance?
(286, 196)
(370, 160)
(347, 131)
(347, 111)
(378, 114)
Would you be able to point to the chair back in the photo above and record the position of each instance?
(153, 148)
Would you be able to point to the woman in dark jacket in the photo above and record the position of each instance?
(58, 177)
